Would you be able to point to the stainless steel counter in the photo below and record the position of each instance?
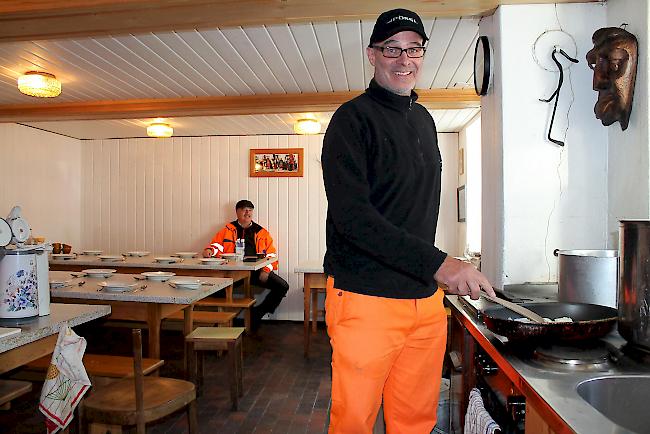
(555, 388)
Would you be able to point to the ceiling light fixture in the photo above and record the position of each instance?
(160, 129)
(39, 84)
(306, 126)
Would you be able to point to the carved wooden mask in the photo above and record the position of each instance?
(613, 60)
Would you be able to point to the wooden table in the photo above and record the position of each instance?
(235, 270)
(314, 280)
(151, 305)
(38, 336)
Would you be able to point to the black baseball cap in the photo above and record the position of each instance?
(395, 21)
(244, 203)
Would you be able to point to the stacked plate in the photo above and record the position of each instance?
(137, 254)
(63, 256)
(212, 261)
(55, 284)
(166, 259)
(185, 283)
(111, 258)
(186, 254)
(102, 273)
(92, 252)
(158, 276)
(115, 286)
(229, 256)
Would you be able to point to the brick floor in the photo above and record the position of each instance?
(283, 391)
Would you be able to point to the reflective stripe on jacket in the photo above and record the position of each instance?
(224, 242)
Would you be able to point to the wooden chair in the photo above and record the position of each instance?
(217, 338)
(139, 399)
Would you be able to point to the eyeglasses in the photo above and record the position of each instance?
(395, 52)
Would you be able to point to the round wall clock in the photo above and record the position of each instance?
(482, 65)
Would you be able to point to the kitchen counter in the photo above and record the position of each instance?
(36, 328)
(551, 392)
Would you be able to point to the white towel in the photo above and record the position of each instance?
(66, 381)
(477, 419)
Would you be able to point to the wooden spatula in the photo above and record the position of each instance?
(515, 308)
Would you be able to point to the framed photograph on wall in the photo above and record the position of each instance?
(460, 197)
(276, 162)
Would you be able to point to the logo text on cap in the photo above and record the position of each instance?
(400, 17)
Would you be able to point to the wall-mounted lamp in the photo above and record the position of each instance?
(160, 129)
(39, 84)
(306, 126)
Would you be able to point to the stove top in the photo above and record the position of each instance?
(583, 356)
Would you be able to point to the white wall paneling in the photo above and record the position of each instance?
(538, 196)
(41, 172)
(447, 233)
(629, 150)
(169, 195)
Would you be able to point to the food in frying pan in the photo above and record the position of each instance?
(548, 320)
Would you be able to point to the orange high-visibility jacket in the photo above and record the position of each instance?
(224, 242)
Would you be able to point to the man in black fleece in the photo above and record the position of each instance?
(382, 172)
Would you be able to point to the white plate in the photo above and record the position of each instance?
(166, 259)
(99, 272)
(54, 284)
(116, 286)
(92, 252)
(229, 255)
(111, 258)
(158, 276)
(186, 254)
(186, 283)
(137, 254)
(212, 261)
(63, 256)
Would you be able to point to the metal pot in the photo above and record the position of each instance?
(588, 276)
(634, 294)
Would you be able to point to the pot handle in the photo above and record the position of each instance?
(555, 252)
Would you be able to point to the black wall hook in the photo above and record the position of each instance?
(556, 94)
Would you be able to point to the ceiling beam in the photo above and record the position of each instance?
(216, 106)
(55, 19)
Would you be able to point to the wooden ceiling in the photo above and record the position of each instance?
(137, 59)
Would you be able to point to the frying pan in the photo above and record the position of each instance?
(590, 321)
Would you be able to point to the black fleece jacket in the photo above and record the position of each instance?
(382, 171)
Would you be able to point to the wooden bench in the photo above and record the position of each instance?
(101, 365)
(10, 390)
(233, 304)
(204, 317)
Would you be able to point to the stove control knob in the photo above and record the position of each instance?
(516, 405)
(485, 365)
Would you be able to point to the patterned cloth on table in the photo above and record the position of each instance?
(477, 419)
(66, 381)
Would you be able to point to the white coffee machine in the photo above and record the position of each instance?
(24, 270)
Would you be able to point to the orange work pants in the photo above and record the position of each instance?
(385, 347)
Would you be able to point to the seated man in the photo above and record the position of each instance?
(257, 240)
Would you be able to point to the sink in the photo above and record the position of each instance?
(622, 399)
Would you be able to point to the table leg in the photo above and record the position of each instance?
(188, 319)
(248, 319)
(247, 286)
(314, 310)
(188, 327)
(307, 301)
(153, 322)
